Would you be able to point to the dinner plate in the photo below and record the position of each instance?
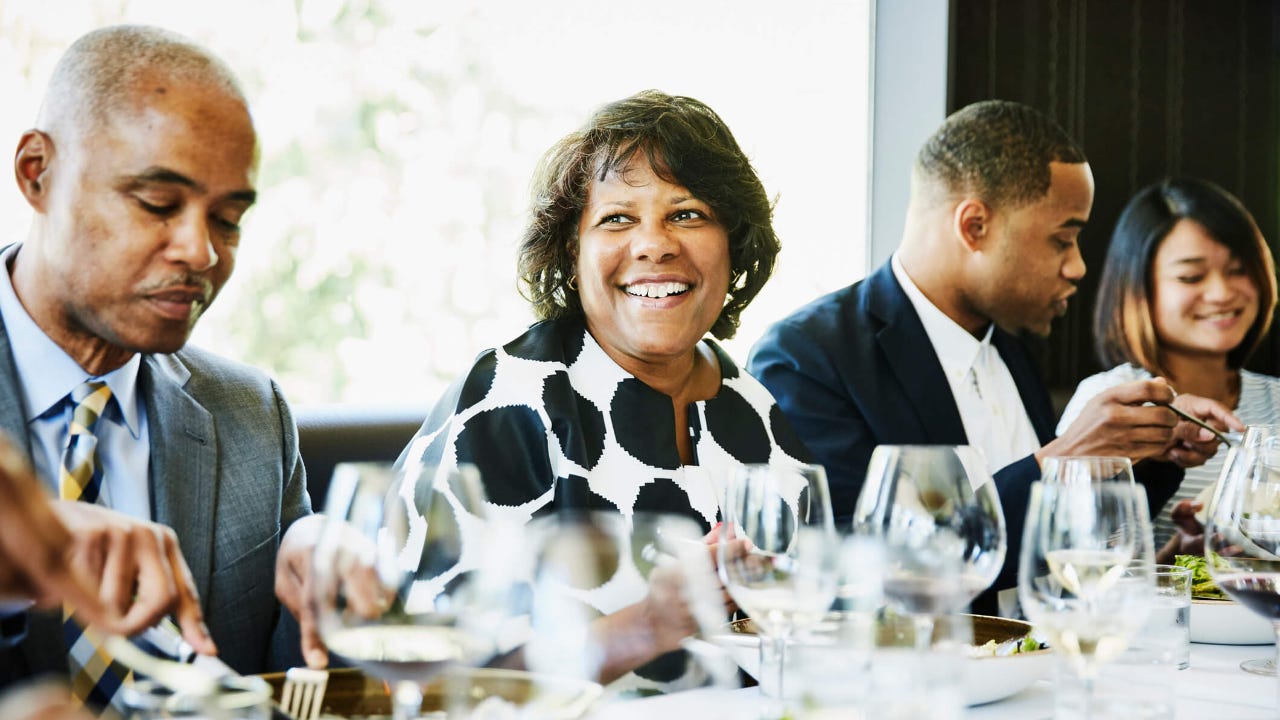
(986, 678)
(352, 694)
(1227, 622)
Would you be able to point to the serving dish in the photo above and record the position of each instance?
(986, 678)
(352, 694)
(1227, 622)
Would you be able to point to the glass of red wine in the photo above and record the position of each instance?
(1242, 532)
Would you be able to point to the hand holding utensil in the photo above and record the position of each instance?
(1221, 436)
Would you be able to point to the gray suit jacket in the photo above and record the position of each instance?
(226, 476)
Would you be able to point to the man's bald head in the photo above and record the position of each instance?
(139, 172)
(100, 76)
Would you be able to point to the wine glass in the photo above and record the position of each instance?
(1086, 469)
(395, 594)
(936, 510)
(1086, 576)
(779, 556)
(1255, 437)
(598, 576)
(1242, 533)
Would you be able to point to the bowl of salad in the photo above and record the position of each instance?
(1217, 619)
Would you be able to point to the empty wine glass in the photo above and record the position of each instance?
(597, 576)
(1086, 469)
(395, 593)
(779, 556)
(1086, 576)
(1242, 533)
(936, 510)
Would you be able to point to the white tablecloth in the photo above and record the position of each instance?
(1213, 687)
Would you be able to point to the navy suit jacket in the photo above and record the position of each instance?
(855, 369)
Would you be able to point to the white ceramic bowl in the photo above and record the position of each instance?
(986, 679)
(1227, 622)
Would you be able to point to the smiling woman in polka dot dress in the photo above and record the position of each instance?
(649, 230)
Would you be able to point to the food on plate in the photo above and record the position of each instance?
(1202, 586)
(991, 648)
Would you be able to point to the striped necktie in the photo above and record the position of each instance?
(95, 676)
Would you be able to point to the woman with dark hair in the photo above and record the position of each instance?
(1187, 293)
(650, 229)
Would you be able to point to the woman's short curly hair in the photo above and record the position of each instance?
(686, 143)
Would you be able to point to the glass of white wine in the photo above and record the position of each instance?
(393, 594)
(1086, 577)
(779, 556)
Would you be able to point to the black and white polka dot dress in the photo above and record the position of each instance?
(552, 423)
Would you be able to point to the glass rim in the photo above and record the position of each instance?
(1091, 458)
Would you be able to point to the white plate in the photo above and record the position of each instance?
(986, 679)
(1226, 622)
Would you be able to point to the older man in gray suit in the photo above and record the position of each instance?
(139, 169)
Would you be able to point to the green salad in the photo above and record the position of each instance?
(991, 648)
(1202, 586)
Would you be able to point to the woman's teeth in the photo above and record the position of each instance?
(656, 290)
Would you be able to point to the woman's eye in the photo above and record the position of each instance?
(686, 215)
(615, 220)
(1190, 279)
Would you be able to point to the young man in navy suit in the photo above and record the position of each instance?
(923, 351)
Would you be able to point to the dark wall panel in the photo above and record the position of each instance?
(1151, 88)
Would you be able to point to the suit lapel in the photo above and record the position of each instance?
(183, 462)
(12, 415)
(913, 361)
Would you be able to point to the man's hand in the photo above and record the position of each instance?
(138, 569)
(1121, 421)
(121, 574)
(293, 584)
(1192, 445)
(34, 558)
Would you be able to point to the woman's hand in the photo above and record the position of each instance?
(1188, 536)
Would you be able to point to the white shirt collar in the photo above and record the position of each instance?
(46, 372)
(957, 350)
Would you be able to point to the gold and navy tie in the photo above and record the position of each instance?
(95, 676)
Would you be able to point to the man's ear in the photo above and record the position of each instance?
(31, 167)
(971, 223)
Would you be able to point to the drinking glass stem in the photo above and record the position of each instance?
(923, 623)
(1276, 627)
(773, 655)
(406, 700)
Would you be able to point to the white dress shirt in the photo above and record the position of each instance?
(995, 419)
(47, 375)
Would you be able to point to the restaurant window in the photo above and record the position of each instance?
(398, 139)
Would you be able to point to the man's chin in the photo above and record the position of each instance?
(170, 340)
(1040, 331)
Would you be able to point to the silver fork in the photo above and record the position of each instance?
(303, 692)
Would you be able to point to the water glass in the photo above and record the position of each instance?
(1165, 639)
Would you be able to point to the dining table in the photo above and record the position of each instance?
(1213, 686)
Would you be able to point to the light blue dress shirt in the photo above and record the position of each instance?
(47, 376)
